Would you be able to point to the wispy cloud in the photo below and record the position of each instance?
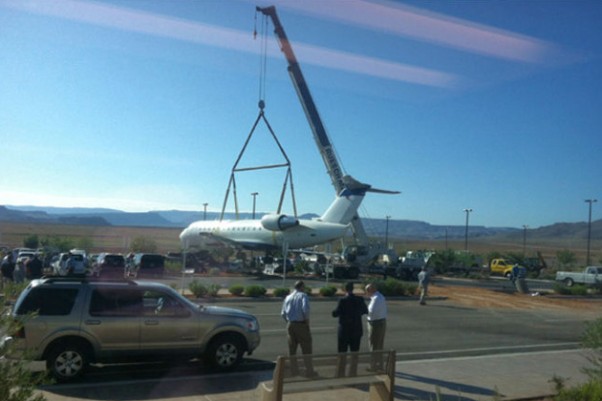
(132, 20)
(419, 24)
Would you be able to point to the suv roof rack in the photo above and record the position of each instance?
(85, 279)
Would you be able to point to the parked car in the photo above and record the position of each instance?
(109, 265)
(146, 265)
(17, 252)
(68, 263)
(132, 321)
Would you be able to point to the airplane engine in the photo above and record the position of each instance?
(278, 222)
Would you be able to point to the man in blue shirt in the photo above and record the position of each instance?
(295, 311)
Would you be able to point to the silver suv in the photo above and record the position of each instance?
(79, 321)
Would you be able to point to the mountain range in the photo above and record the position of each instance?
(409, 229)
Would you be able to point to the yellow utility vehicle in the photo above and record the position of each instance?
(500, 267)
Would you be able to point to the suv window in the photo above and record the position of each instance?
(49, 301)
(115, 302)
(113, 260)
(160, 304)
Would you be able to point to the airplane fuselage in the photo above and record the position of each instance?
(273, 231)
(251, 234)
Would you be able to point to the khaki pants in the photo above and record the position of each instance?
(376, 338)
(300, 335)
(423, 293)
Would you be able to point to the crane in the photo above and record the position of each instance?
(363, 250)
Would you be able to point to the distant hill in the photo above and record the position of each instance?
(403, 229)
(40, 216)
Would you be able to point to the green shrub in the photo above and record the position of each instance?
(17, 381)
(328, 291)
(213, 290)
(12, 289)
(236, 289)
(561, 289)
(254, 291)
(214, 272)
(308, 290)
(173, 267)
(590, 391)
(592, 339)
(392, 287)
(577, 290)
(197, 288)
(281, 292)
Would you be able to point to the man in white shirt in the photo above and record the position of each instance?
(423, 284)
(377, 323)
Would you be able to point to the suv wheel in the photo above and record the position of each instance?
(67, 362)
(225, 352)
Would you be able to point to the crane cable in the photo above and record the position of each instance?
(263, 37)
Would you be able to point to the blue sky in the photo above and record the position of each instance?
(145, 105)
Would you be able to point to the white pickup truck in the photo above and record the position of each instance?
(590, 275)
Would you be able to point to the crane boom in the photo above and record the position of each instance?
(313, 117)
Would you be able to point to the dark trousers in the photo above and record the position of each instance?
(348, 341)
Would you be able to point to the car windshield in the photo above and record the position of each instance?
(114, 260)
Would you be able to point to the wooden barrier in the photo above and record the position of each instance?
(331, 371)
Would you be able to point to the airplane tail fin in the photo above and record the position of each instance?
(345, 206)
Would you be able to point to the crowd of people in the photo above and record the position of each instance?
(22, 268)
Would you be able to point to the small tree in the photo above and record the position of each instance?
(143, 244)
(31, 241)
(566, 258)
(84, 243)
(59, 243)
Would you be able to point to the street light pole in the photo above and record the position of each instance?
(254, 195)
(205, 211)
(589, 226)
(525, 240)
(467, 211)
(387, 233)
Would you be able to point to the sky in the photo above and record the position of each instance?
(143, 105)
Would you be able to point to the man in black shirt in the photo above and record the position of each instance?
(349, 310)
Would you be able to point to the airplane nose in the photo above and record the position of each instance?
(184, 235)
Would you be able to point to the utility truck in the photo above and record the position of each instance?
(501, 267)
(591, 275)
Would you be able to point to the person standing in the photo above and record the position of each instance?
(7, 267)
(377, 324)
(349, 310)
(295, 311)
(19, 271)
(34, 268)
(423, 284)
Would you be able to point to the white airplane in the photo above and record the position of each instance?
(273, 231)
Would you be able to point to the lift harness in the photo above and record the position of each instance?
(288, 179)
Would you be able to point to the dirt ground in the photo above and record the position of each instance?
(491, 298)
